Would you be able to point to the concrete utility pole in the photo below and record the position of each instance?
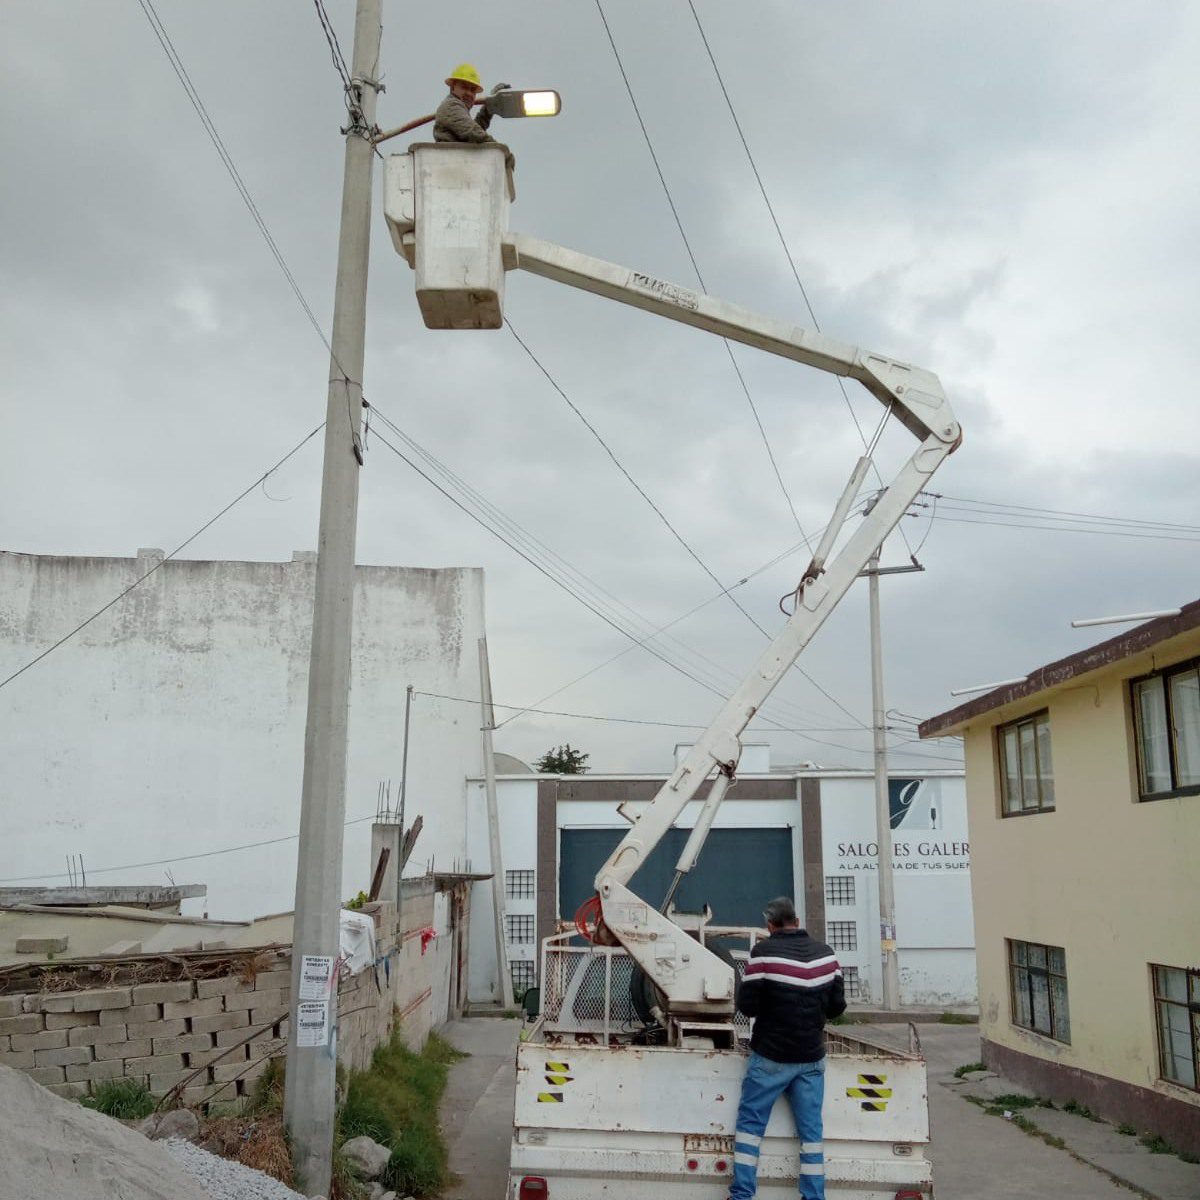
(489, 777)
(309, 1099)
(883, 810)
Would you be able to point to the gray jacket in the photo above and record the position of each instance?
(454, 122)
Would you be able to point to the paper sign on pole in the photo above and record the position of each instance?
(316, 972)
(312, 1023)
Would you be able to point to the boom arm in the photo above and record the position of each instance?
(694, 981)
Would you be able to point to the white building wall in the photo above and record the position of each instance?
(173, 725)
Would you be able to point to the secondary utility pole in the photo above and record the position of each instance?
(883, 808)
(493, 812)
(309, 1097)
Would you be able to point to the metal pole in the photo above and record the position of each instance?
(883, 816)
(309, 1097)
(489, 777)
(408, 695)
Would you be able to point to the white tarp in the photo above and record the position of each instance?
(357, 941)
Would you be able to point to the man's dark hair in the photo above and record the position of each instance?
(780, 911)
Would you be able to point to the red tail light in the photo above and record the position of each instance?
(910, 1196)
(533, 1187)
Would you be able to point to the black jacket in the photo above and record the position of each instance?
(792, 986)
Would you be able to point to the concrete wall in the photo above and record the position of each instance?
(174, 724)
(215, 1033)
(1111, 880)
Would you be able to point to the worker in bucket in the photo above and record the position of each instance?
(454, 120)
(792, 986)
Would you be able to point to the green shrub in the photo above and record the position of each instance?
(125, 1099)
(1013, 1100)
(396, 1104)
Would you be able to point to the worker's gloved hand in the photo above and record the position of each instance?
(500, 87)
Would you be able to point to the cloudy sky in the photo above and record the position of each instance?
(1004, 193)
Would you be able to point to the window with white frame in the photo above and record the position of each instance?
(1026, 766)
(851, 982)
(518, 885)
(1177, 1015)
(843, 935)
(839, 889)
(1038, 984)
(1166, 718)
(520, 928)
(524, 976)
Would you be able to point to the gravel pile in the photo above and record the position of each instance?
(223, 1178)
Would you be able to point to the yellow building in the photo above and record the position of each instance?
(1083, 798)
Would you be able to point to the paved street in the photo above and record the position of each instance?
(975, 1156)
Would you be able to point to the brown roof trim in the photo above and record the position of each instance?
(1124, 645)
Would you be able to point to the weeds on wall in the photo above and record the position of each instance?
(125, 1099)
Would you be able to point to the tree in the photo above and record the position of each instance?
(562, 760)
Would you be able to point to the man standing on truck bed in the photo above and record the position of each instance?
(792, 986)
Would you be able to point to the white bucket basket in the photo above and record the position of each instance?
(446, 206)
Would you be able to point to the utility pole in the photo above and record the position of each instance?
(489, 777)
(309, 1097)
(883, 808)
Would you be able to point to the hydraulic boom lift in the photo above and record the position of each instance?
(447, 209)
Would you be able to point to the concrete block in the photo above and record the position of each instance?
(141, 1048)
(158, 1029)
(127, 1016)
(273, 981)
(5, 1046)
(202, 1058)
(62, 1056)
(229, 1072)
(68, 1091)
(163, 993)
(121, 950)
(97, 1071)
(163, 1083)
(223, 1094)
(266, 1016)
(159, 1064)
(208, 1007)
(11, 1006)
(48, 1039)
(42, 945)
(183, 1043)
(25, 1023)
(275, 998)
(50, 1002)
(18, 1062)
(221, 1021)
(102, 998)
(230, 1037)
(95, 1035)
(47, 1074)
(195, 1095)
(72, 1020)
(223, 986)
(271, 1048)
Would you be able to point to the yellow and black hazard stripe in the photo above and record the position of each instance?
(557, 1073)
(871, 1092)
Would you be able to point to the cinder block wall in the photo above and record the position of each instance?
(215, 1036)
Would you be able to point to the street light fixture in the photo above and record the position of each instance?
(541, 102)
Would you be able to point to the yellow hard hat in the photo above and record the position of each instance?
(464, 73)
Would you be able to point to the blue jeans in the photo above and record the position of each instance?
(764, 1083)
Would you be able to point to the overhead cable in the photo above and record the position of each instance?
(782, 240)
(666, 521)
(166, 558)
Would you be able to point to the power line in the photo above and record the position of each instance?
(960, 503)
(665, 520)
(1126, 533)
(782, 240)
(335, 48)
(159, 862)
(182, 545)
(164, 40)
(699, 275)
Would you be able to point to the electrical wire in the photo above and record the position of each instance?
(666, 521)
(1024, 511)
(1126, 533)
(699, 275)
(782, 240)
(165, 559)
(335, 48)
(158, 862)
